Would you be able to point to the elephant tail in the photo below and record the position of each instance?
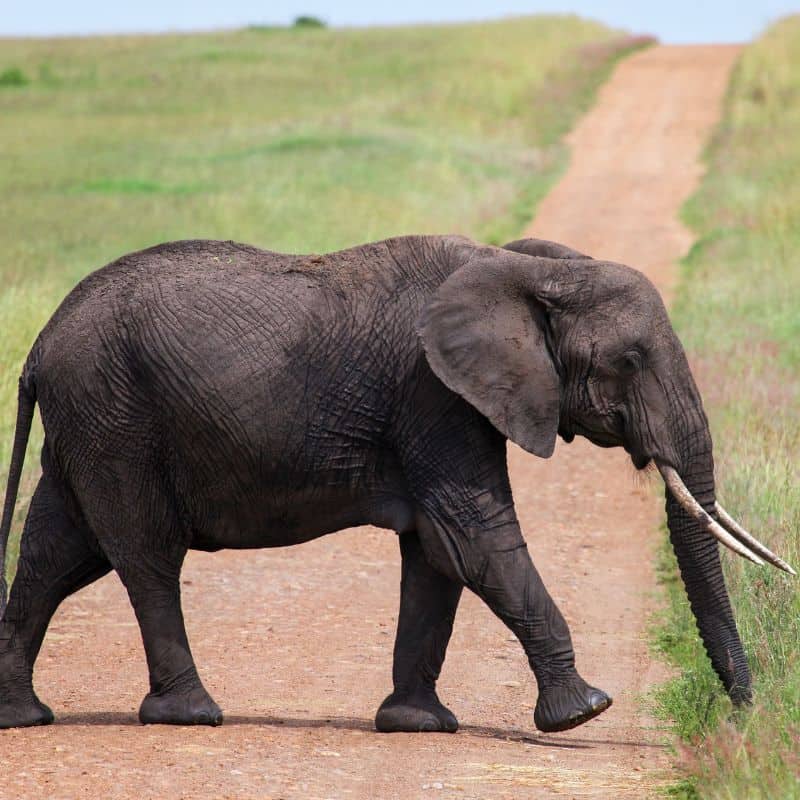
(26, 403)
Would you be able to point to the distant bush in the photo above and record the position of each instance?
(13, 76)
(309, 22)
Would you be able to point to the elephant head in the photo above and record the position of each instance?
(543, 340)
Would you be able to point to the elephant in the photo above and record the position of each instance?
(207, 394)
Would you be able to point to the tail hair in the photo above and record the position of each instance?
(26, 403)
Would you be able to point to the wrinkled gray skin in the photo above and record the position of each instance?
(206, 395)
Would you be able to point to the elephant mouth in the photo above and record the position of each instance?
(640, 459)
(604, 438)
(598, 436)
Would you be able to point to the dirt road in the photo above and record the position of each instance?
(296, 645)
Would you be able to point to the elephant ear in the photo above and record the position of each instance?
(484, 337)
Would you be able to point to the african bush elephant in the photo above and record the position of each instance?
(207, 395)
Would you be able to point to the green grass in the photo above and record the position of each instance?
(738, 312)
(291, 139)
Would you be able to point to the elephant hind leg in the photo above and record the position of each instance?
(428, 602)
(134, 515)
(57, 558)
(177, 695)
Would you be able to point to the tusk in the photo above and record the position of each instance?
(693, 508)
(730, 524)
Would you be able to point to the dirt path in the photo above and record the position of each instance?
(296, 645)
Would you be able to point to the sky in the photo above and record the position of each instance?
(676, 21)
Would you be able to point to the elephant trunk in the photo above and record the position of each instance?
(701, 570)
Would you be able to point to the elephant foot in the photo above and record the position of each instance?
(19, 705)
(562, 707)
(193, 707)
(25, 715)
(415, 713)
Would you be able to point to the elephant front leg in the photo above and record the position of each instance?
(496, 565)
(428, 602)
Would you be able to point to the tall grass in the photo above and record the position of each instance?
(292, 139)
(738, 312)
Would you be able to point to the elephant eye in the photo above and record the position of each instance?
(629, 364)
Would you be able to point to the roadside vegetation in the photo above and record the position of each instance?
(738, 313)
(297, 139)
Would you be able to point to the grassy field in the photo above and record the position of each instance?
(296, 140)
(739, 314)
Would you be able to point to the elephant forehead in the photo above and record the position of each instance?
(610, 280)
(627, 299)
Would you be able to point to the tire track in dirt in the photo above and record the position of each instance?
(296, 644)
